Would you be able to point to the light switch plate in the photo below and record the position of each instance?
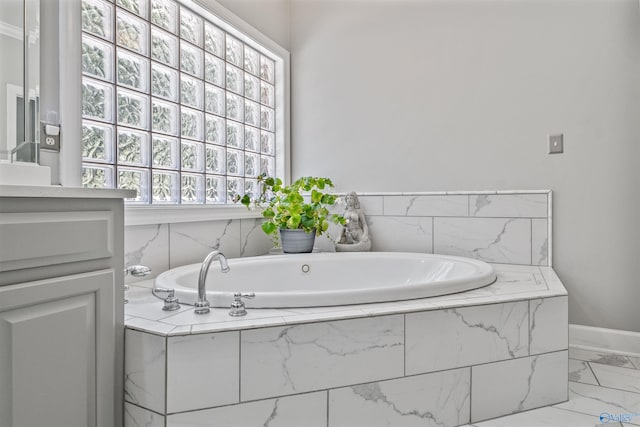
(556, 144)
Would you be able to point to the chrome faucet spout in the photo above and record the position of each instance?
(202, 305)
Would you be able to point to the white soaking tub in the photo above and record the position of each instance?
(330, 279)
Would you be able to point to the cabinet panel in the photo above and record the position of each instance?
(39, 239)
(57, 354)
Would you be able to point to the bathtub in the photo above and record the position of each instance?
(330, 279)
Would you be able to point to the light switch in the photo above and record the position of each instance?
(556, 144)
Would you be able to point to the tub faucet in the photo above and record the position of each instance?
(202, 305)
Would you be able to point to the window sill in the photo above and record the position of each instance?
(147, 215)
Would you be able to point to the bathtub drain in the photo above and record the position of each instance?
(305, 268)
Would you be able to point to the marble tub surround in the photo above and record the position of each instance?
(510, 227)
(352, 365)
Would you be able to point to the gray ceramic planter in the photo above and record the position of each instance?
(296, 241)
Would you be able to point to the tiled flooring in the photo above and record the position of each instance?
(601, 387)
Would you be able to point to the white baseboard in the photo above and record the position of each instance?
(601, 339)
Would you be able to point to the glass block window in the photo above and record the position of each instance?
(173, 106)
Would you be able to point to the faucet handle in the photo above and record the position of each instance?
(171, 301)
(237, 306)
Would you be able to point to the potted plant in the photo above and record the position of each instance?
(297, 212)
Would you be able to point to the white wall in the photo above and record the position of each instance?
(421, 95)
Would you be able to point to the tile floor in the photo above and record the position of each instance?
(602, 388)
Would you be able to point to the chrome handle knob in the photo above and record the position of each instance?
(237, 306)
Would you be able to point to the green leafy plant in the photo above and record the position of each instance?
(301, 205)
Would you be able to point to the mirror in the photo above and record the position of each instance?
(19, 75)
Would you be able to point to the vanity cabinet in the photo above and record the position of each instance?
(61, 306)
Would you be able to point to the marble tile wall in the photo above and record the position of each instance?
(500, 227)
(440, 367)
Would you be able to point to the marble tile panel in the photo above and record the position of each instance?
(253, 241)
(600, 357)
(451, 338)
(308, 410)
(579, 371)
(189, 317)
(372, 205)
(152, 326)
(295, 359)
(437, 399)
(426, 205)
(144, 370)
(202, 371)
(511, 386)
(190, 242)
(400, 234)
(543, 417)
(548, 325)
(135, 416)
(616, 377)
(501, 240)
(539, 242)
(509, 205)
(146, 245)
(598, 401)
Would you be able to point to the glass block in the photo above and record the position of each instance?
(192, 124)
(190, 26)
(133, 109)
(192, 91)
(267, 143)
(164, 13)
(164, 82)
(235, 79)
(235, 135)
(215, 131)
(192, 188)
(192, 156)
(215, 159)
(139, 7)
(97, 58)
(235, 188)
(267, 166)
(251, 87)
(164, 187)
(267, 119)
(252, 188)
(214, 100)
(251, 165)
(267, 69)
(97, 142)
(214, 70)
(235, 162)
(251, 139)
(133, 147)
(214, 39)
(235, 107)
(131, 32)
(97, 176)
(191, 60)
(164, 47)
(165, 152)
(97, 18)
(267, 94)
(135, 179)
(133, 71)
(251, 113)
(251, 61)
(234, 51)
(164, 117)
(97, 100)
(216, 191)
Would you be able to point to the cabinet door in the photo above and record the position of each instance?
(57, 352)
